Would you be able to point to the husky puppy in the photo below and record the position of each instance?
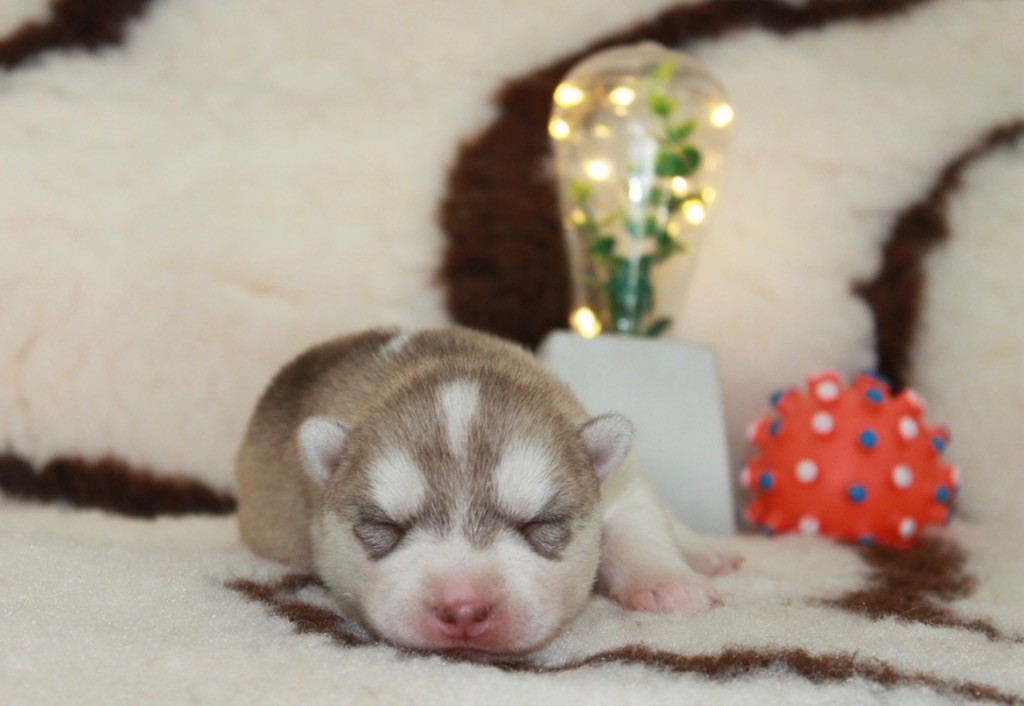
(453, 494)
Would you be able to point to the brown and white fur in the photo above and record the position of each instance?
(453, 494)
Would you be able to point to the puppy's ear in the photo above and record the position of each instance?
(320, 443)
(607, 439)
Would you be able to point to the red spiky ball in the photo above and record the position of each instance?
(854, 463)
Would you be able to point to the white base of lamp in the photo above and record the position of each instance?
(671, 392)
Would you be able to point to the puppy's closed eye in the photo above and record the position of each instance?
(547, 537)
(378, 533)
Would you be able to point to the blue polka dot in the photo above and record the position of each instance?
(857, 493)
(776, 396)
(875, 375)
(765, 481)
(866, 541)
(874, 396)
(774, 428)
(868, 439)
(942, 494)
(938, 444)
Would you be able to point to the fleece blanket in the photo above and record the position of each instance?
(193, 192)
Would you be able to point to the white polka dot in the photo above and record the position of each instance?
(908, 428)
(746, 477)
(915, 400)
(822, 423)
(809, 525)
(806, 471)
(752, 430)
(902, 476)
(908, 528)
(826, 391)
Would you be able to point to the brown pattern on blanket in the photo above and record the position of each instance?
(916, 585)
(731, 663)
(894, 295)
(112, 485)
(72, 24)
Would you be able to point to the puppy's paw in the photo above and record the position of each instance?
(712, 562)
(671, 594)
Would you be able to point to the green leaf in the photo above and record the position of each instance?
(668, 165)
(602, 245)
(655, 196)
(691, 160)
(579, 191)
(663, 71)
(680, 132)
(658, 327)
(661, 104)
(667, 247)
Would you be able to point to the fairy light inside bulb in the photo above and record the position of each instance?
(568, 95)
(693, 211)
(584, 322)
(709, 195)
(678, 185)
(597, 169)
(722, 115)
(558, 129)
(622, 96)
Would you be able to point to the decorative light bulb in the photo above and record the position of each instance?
(639, 135)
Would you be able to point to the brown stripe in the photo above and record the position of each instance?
(109, 484)
(894, 295)
(915, 585)
(72, 24)
(504, 266)
(731, 663)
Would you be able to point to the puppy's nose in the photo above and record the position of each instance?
(464, 618)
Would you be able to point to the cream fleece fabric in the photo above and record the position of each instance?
(104, 609)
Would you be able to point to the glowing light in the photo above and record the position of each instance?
(567, 95)
(722, 115)
(579, 217)
(585, 322)
(678, 185)
(623, 95)
(597, 169)
(602, 131)
(693, 211)
(636, 190)
(558, 128)
(709, 195)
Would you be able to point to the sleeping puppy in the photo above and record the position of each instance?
(453, 494)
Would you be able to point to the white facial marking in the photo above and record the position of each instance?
(459, 401)
(522, 478)
(397, 484)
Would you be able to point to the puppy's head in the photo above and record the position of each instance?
(462, 514)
